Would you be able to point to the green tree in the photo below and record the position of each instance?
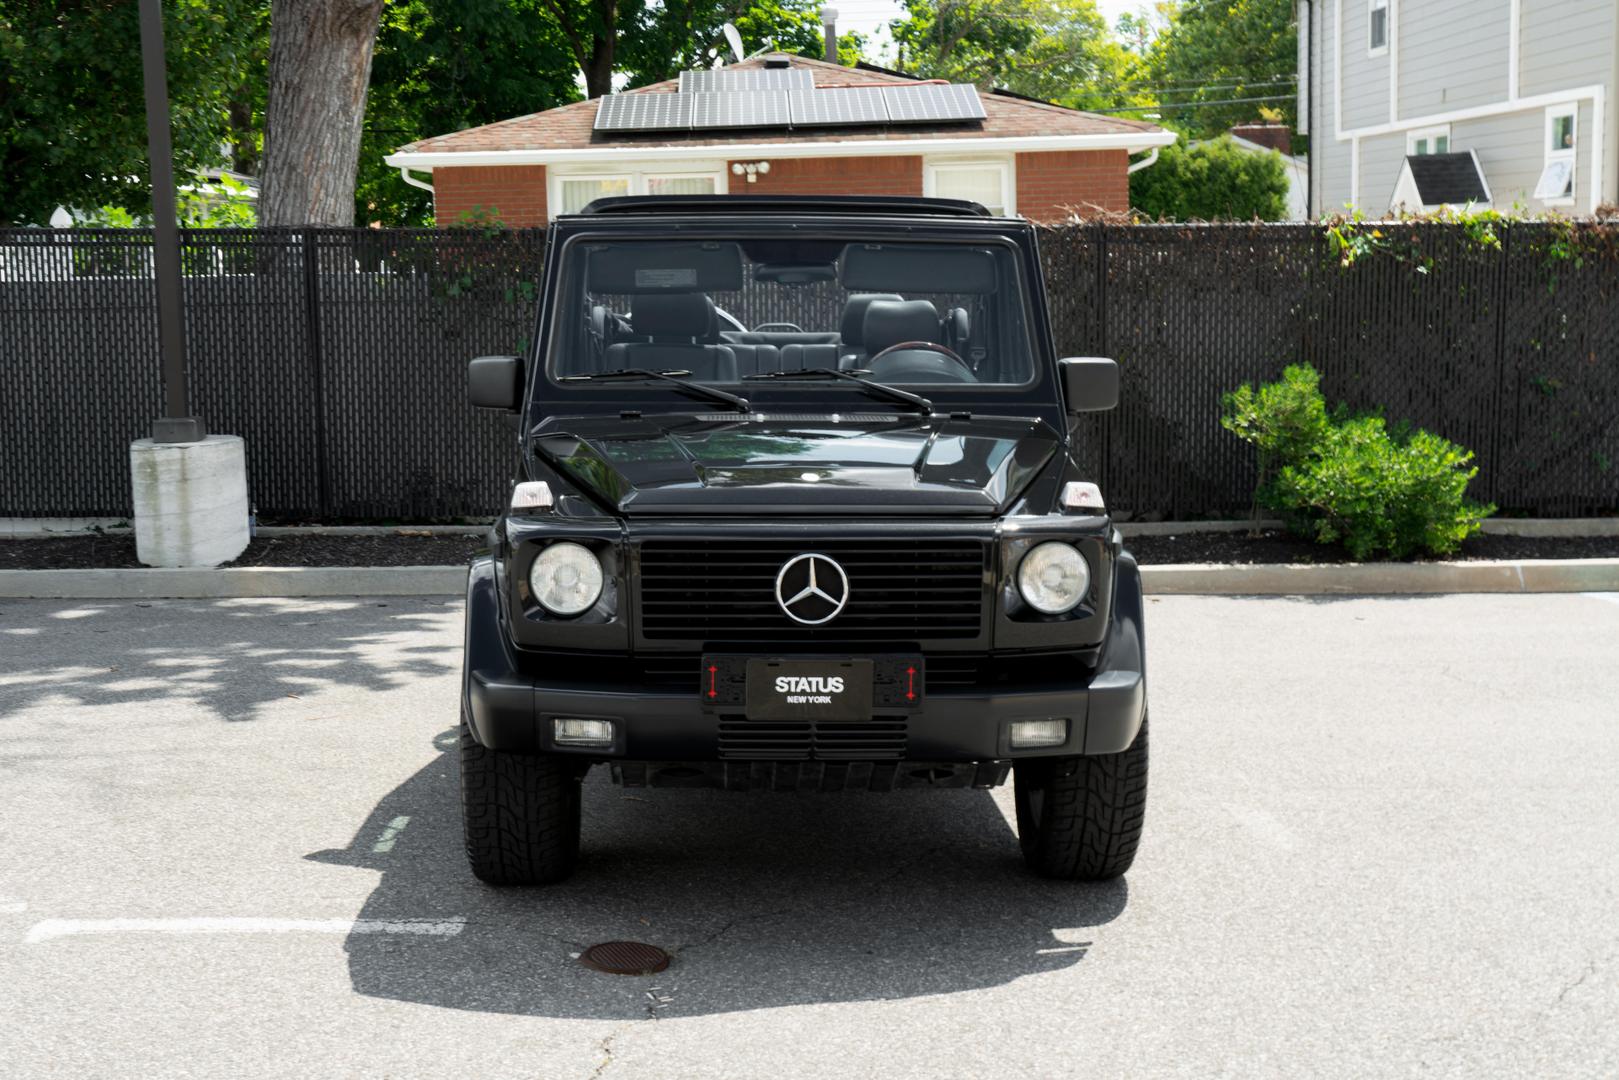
(1055, 50)
(1215, 51)
(72, 122)
(1212, 181)
(441, 67)
(662, 40)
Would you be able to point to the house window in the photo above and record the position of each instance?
(1378, 39)
(986, 182)
(577, 192)
(1428, 141)
(572, 192)
(1556, 185)
(681, 184)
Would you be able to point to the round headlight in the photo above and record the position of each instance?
(1054, 577)
(566, 578)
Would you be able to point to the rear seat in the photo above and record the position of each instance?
(799, 357)
(757, 359)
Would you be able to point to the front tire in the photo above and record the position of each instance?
(519, 813)
(1079, 818)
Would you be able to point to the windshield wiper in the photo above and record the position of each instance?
(874, 389)
(677, 377)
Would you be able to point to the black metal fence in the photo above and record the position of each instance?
(340, 356)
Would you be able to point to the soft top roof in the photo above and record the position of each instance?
(719, 205)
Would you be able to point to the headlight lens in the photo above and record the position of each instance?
(1054, 577)
(566, 578)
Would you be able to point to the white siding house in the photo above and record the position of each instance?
(1523, 87)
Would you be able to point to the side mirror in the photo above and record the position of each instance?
(1090, 383)
(495, 382)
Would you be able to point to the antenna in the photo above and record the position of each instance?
(734, 39)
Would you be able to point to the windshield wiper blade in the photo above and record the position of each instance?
(676, 377)
(875, 389)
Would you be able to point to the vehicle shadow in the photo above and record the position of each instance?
(764, 900)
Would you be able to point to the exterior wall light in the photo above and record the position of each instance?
(751, 169)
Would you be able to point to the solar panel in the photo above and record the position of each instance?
(757, 108)
(643, 112)
(837, 107)
(931, 102)
(725, 81)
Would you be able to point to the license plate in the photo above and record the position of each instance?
(809, 690)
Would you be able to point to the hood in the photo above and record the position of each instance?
(801, 466)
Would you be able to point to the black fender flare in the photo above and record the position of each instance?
(1118, 691)
(496, 698)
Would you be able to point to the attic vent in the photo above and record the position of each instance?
(777, 62)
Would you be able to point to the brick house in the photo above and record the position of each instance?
(1012, 154)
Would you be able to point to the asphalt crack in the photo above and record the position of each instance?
(1591, 969)
(605, 1048)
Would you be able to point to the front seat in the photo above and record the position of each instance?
(852, 329)
(896, 322)
(674, 325)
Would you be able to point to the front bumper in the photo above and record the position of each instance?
(511, 710)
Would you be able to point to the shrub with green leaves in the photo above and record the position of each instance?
(1351, 480)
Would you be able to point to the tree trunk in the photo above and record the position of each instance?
(320, 64)
(598, 68)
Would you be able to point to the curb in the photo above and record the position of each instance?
(1552, 527)
(1382, 579)
(239, 581)
(1182, 579)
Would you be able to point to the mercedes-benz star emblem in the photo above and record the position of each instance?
(812, 589)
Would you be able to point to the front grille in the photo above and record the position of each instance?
(873, 740)
(725, 590)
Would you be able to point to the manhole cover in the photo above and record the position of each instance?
(625, 958)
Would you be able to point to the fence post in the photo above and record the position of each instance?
(1497, 440)
(311, 265)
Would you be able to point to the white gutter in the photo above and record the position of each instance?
(1130, 142)
(404, 174)
(1145, 163)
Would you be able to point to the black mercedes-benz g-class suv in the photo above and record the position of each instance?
(797, 508)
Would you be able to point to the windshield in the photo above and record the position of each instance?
(739, 312)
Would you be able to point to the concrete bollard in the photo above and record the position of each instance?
(190, 501)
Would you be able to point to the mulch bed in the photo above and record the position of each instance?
(1275, 546)
(395, 549)
(115, 551)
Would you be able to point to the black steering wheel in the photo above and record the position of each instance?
(778, 327)
(927, 346)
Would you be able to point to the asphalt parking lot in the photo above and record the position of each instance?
(1382, 840)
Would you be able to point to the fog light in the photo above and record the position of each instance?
(1027, 734)
(571, 732)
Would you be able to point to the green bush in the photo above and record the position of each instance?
(1351, 480)
(1215, 180)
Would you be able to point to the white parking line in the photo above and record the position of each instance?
(51, 929)
(1610, 597)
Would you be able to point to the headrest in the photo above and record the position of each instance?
(677, 315)
(889, 322)
(854, 315)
